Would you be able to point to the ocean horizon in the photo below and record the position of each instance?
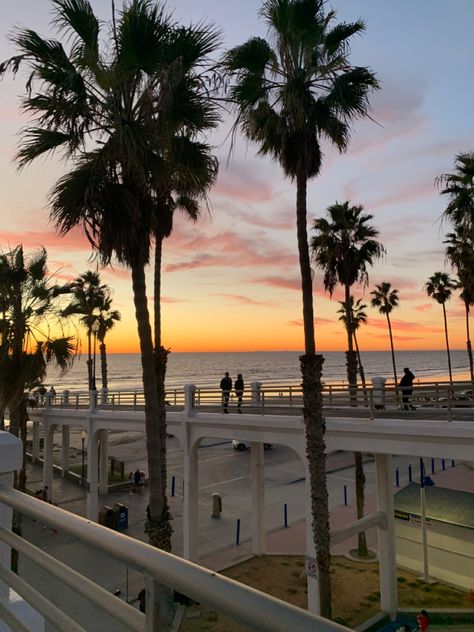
(205, 369)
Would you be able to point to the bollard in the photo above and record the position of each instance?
(452, 463)
(237, 535)
(443, 464)
(216, 505)
(410, 474)
(432, 466)
(183, 489)
(285, 515)
(397, 477)
(173, 485)
(345, 495)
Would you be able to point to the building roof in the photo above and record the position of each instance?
(442, 504)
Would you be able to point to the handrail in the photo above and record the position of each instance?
(246, 605)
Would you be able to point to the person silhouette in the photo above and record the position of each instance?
(406, 385)
(239, 391)
(226, 387)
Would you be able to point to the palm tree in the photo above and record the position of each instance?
(440, 287)
(354, 311)
(460, 253)
(88, 297)
(344, 246)
(30, 307)
(107, 103)
(385, 298)
(106, 320)
(290, 93)
(459, 188)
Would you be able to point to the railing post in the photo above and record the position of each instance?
(256, 388)
(371, 405)
(104, 396)
(66, 397)
(291, 396)
(330, 395)
(378, 390)
(189, 399)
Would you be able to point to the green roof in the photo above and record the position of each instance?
(442, 504)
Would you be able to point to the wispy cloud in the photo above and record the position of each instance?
(243, 300)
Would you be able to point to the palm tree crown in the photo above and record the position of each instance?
(459, 189)
(385, 298)
(440, 287)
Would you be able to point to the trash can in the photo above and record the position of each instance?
(107, 517)
(121, 516)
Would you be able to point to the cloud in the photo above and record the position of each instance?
(74, 240)
(243, 300)
(317, 322)
(243, 183)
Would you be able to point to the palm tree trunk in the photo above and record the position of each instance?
(351, 357)
(392, 350)
(158, 520)
(362, 549)
(468, 344)
(103, 364)
(361, 368)
(311, 370)
(447, 344)
(89, 358)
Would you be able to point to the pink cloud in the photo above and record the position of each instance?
(242, 183)
(74, 240)
(243, 300)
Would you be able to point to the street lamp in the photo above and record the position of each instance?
(94, 329)
(83, 471)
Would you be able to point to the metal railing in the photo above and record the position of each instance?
(243, 604)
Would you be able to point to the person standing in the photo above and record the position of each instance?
(423, 620)
(406, 384)
(239, 391)
(226, 387)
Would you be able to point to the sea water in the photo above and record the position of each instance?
(268, 367)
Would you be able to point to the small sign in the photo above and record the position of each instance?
(311, 567)
(416, 521)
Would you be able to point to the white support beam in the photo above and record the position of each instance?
(49, 429)
(258, 498)
(65, 450)
(387, 552)
(35, 444)
(104, 462)
(92, 497)
(190, 504)
(377, 519)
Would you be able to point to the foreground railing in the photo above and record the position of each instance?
(245, 605)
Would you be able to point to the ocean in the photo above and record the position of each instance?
(268, 367)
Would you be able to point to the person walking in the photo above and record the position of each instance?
(226, 387)
(239, 391)
(406, 384)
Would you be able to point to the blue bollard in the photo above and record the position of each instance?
(432, 466)
(237, 535)
(285, 515)
(397, 477)
(345, 495)
(173, 485)
(443, 464)
(410, 474)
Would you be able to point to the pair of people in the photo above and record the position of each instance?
(226, 388)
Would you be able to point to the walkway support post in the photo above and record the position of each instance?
(386, 534)
(65, 450)
(92, 485)
(190, 500)
(104, 462)
(49, 429)
(35, 447)
(258, 498)
(378, 389)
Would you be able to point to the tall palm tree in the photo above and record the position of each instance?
(344, 246)
(355, 311)
(289, 93)
(105, 101)
(440, 286)
(106, 320)
(460, 253)
(385, 299)
(88, 297)
(30, 308)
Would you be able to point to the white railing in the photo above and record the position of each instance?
(243, 604)
(442, 397)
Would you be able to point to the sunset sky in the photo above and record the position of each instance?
(231, 281)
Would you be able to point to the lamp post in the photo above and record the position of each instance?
(94, 329)
(83, 471)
